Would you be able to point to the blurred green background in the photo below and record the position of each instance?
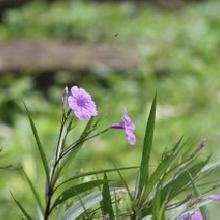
(177, 46)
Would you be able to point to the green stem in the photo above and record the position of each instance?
(52, 180)
(74, 145)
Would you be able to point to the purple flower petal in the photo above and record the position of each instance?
(128, 126)
(81, 103)
(214, 197)
(191, 215)
(119, 125)
(130, 137)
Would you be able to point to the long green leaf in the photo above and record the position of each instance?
(22, 209)
(106, 203)
(182, 180)
(34, 191)
(125, 184)
(88, 201)
(203, 210)
(39, 145)
(94, 173)
(162, 168)
(76, 190)
(148, 138)
(177, 185)
(156, 204)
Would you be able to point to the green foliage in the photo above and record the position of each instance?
(172, 184)
(39, 145)
(75, 190)
(147, 145)
(107, 208)
(24, 212)
(179, 50)
(34, 191)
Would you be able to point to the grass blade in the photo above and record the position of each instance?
(148, 138)
(203, 210)
(176, 185)
(34, 191)
(39, 145)
(125, 184)
(162, 168)
(88, 201)
(22, 209)
(76, 190)
(106, 203)
(93, 173)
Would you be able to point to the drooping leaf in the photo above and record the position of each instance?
(90, 200)
(106, 203)
(22, 209)
(76, 190)
(94, 173)
(34, 191)
(148, 138)
(39, 145)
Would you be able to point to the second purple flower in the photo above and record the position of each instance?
(128, 126)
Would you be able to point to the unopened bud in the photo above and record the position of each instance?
(202, 144)
(65, 97)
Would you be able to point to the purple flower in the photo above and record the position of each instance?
(195, 214)
(81, 103)
(128, 126)
(214, 197)
(191, 215)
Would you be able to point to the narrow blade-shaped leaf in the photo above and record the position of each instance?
(39, 145)
(34, 191)
(162, 168)
(177, 185)
(148, 138)
(106, 203)
(94, 173)
(76, 190)
(182, 180)
(203, 210)
(90, 200)
(22, 209)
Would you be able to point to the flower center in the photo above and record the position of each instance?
(81, 101)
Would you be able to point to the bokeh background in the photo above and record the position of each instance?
(121, 52)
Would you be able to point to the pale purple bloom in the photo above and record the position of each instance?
(191, 215)
(195, 214)
(214, 197)
(128, 126)
(81, 103)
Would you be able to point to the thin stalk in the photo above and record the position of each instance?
(75, 144)
(59, 154)
(52, 181)
(93, 173)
